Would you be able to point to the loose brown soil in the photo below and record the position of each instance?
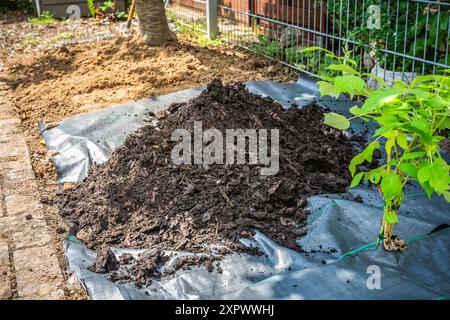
(19, 36)
(140, 199)
(58, 83)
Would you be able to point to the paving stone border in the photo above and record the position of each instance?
(29, 267)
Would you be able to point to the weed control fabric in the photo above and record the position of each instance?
(340, 258)
(140, 199)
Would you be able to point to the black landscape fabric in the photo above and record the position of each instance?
(130, 203)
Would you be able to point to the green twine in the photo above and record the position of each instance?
(72, 238)
(366, 247)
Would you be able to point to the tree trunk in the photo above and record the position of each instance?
(153, 27)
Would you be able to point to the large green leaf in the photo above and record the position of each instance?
(378, 79)
(391, 185)
(357, 179)
(387, 119)
(422, 125)
(328, 89)
(444, 122)
(439, 178)
(343, 68)
(316, 48)
(336, 120)
(365, 155)
(375, 175)
(413, 155)
(380, 97)
(355, 110)
(409, 168)
(446, 195)
(424, 172)
(428, 189)
(421, 93)
(423, 128)
(349, 84)
(426, 78)
(438, 102)
(388, 128)
(389, 145)
(402, 141)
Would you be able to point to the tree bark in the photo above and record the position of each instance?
(153, 27)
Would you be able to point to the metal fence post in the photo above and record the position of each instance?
(211, 18)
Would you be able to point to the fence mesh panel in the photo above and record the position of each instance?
(396, 39)
(189, 13)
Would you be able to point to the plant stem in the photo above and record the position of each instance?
(387, 228)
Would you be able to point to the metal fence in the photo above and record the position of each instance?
(396, 39)
(188, 13)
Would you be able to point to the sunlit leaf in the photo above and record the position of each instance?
(316, 48)
(409, 169)
(343, 68)
(402, 141)
(365, 155)
(446, 195)
(356, 179)
(439, 178)
(349, 84)
(424, 172)
(328, 89)
(413, 155)
(391, 185)
(336, 120)
(380, 97)
(378, 79)
(355, 110)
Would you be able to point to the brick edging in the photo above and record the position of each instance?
(29, 267)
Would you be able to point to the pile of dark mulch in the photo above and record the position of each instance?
(140, 199)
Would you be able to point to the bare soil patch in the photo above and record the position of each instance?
(54, 84)
(19, 36)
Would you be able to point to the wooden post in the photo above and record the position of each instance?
(131, 14)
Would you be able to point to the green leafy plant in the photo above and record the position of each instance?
(427, 36)
(309, 61)
(332, 64)
(107, 5)
(421, 27)
(91, 7)
(303, 59)
(267, 46)
(122, 15)
(411, 119)
(197, 36)
(45, 18)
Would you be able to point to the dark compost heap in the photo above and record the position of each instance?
(140, 199)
